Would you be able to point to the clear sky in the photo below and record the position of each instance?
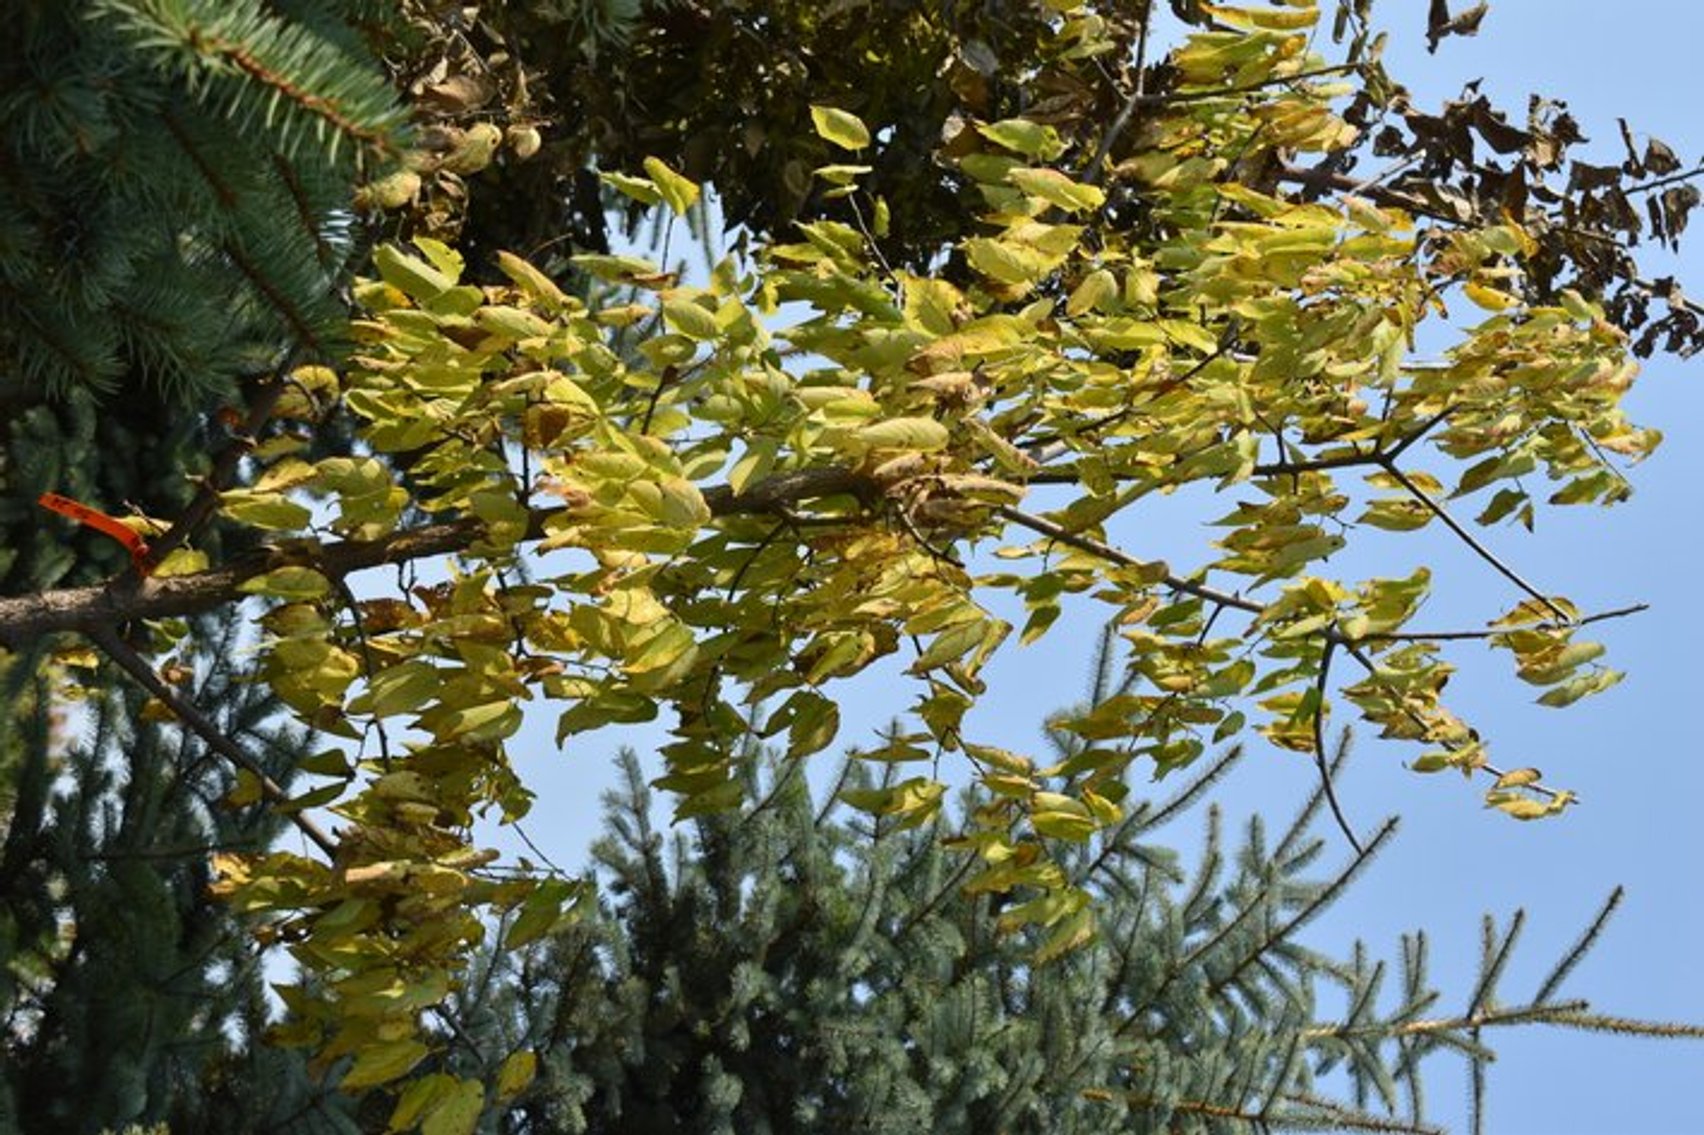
(1633, 753)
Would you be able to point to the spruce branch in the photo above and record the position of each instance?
(1588, 938)
(283, 70)
(1318, 903)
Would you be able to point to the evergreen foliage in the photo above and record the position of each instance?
(175, 190)
(797, 967)
(127, 995)
(178, 174)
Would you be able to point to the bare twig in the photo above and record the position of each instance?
(1465, 636)
(1319, 748)
(1095, 170)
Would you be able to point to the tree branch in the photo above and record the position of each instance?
(1467, 538)
(104, 606)
(1468, 636)
(1319, 749)
(1123, 559)
(114, 646)
(224, 470)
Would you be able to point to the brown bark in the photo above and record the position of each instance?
(128, 597)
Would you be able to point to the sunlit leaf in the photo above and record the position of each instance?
(841, 127)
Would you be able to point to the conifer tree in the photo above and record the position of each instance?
(798, 967)
(175, 191)
(767, 539)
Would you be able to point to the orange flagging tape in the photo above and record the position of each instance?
(100, 522)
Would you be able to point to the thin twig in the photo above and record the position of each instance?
(1671, 179)
(1043, 449)
(1464, 636)
(114, 646)
(1092, 175)
(206, 501)
(1319, 748)
(1468, 538)
(367, 661)
(1107, 552)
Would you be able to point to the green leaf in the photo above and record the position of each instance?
(1574, 689)
(678, 192)
(422, 1097)
(292, 583)
(382, 1062)
(269, 510)
(1057, 189)
(691, 319)
(413, 277)
(1031, 139)
(402, 688)
(1074, 931)
(539, 287)
(1396, 515)
(458, 1114)
(922, 435)
(543, 910)
(515, 1073)
(841, 127)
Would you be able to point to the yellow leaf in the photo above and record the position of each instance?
(1056, 189)
(841, 127)
(534, 283)
(516, 1072)
(641, 189)
(1263, 19)
(678, 192)
(383, 1062)
(1488, 298)
(264, 509)
(181, 561)
(293, 583)
(1517, 778)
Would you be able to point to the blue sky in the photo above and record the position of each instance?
(1632, 753)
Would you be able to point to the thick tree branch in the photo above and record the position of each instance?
(105, 606)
